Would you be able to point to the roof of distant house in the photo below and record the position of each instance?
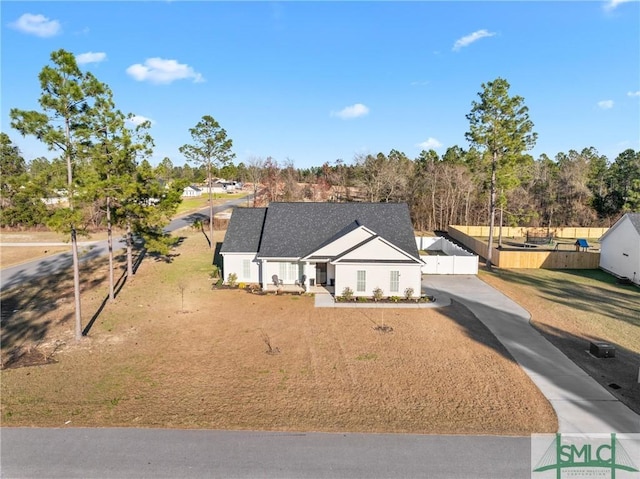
(635, 222)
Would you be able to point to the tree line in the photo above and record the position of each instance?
(576, 188)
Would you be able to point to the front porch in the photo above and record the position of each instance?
(296, 289)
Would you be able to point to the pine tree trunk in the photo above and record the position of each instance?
(110, 248)
(74, 237)
(129, 252)
(76, 282)
(210, 207)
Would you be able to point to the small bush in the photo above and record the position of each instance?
(220, 282)
(408, 293)
(215, 273)
(347, 293)
(394, 299)
(232, 279)
(362, 299)
(377, 294)
(242, 285)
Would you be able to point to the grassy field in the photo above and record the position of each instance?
(190, 205)
(13, 255)
(172, 352)
(571, 308)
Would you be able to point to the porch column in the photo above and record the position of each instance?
(306, 275)
(263, 273)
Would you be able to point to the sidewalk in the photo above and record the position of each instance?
(582, 405)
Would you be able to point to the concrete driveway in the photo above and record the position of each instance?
(582, 405)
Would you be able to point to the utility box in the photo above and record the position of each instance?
(602, 350)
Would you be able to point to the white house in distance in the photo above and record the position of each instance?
(191, 191)
(620, 248)
(362, 246)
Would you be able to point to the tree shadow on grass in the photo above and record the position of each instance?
(167, 257)
(473, 328)
(138, 257)
(618, 375)
(31, 311)
(592, 291)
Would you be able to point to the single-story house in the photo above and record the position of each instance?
(362, 246)
(620, 248)
(191, 191)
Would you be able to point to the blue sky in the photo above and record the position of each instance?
(313, 82)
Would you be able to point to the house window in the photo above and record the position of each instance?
(246, 269)
(361, 284)
(283, 271)
(293, 272)
(288, 272)
(394, 285)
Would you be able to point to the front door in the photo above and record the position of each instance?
(321, 273)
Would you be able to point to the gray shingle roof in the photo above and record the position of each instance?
(244, 231)
(635, 220)
(298, 229)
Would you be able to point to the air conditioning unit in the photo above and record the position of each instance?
(602, 350)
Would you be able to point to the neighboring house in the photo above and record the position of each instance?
(191, 191)
(620, 248)
(358, 245)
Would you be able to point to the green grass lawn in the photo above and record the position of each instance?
(189, 205)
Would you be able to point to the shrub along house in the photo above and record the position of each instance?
(362, 246)
(620, 248)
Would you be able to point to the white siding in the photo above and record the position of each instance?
(287, 271)
(376, 249)
(457, 259)
(450, 264)
(378, 277)
(343, 243)
(233, 263)
(620, 251)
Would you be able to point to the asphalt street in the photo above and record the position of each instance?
(25, 272)
(161, 453)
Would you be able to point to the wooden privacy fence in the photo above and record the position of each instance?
(521, 231)
(529, 258)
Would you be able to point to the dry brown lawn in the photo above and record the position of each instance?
(13, 255)
(172, 352)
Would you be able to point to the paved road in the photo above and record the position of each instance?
(159, 453)
(23, 273)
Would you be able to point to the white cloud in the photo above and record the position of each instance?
(606, 104)
(430, 144)
(633, 93)
(90, 57)
(353, 111)
(38, 25)
(612, 4)
(469, 39)
(159, 70)
(138, 120)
